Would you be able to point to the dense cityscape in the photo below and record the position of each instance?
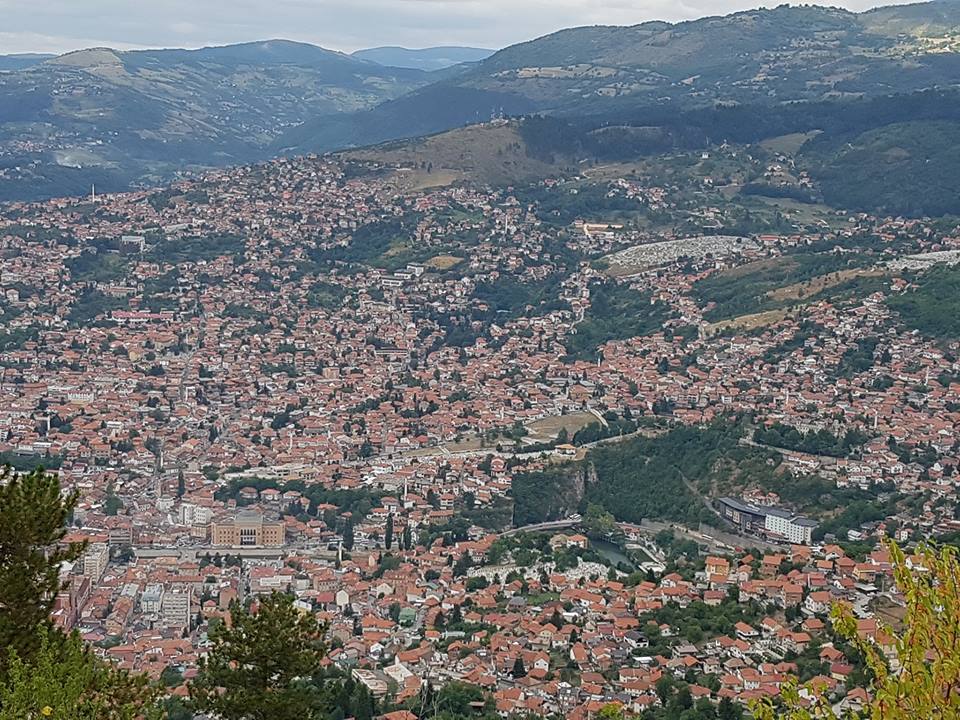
(448, 421)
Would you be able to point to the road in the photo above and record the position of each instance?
(540, 527)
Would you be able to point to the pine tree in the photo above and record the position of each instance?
(556, 619)
(728, 710)
(64, 680)
(407, 538)
(519, 670)
(181, 485)
(259, 667)
(348, 535)
(33, 518)
(388, 536)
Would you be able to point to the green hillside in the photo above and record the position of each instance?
(112, 117)
(754, 58)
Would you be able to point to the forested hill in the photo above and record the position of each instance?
(109, 117)
(758, 57)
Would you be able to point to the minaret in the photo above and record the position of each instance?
(93, 193)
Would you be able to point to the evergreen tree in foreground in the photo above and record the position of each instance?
(261, 666)
(43, 672)
(33, 519)
(64, 680)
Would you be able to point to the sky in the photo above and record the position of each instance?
(62, 25)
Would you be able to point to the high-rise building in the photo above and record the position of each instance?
(176, 607)
(95, 560)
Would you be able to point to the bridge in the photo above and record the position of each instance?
(540, 527)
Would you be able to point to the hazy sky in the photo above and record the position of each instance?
(61, 25)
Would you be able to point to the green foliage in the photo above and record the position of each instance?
(33, 518)
(924, 685)
(590, 201)
(647, 477)
(859, 358)
(616, 312)
(372, 243)
(510, 297)
(746, 290)
(635, 479)
(171, 677)
(326, 295)
(98, 267)
(821, 442)
(259, 667)
(933, 307)
(905, 168)
(64, 680)
(544, 495)
(93, 304)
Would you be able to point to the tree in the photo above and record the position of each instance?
(927, 683)
(519, 670)
(462, 565)
(64, 680)
(348, 535)
(664, 688)
(259, 668)
(181, 485)
(171, 677)
(112, 504)
(407, 538)
(611, 711)
(33, 518)
(388, 535)
(394, 612)
(729, 710)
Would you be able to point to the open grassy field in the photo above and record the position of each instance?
(815, 286)
(443, 262)
(548, 428)
(788, 144)
(489, 153)
(747, 322)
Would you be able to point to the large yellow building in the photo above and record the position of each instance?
(247, 529)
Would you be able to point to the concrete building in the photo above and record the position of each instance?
(191, 514)
(247, 529)
(176, 607)
(795, 528)
(151, 600)
(95, 560)
(769, 522)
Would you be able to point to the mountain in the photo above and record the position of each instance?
(112, 118)
(759, 57)
(429, 59)
(21, 61)
(116, 118)
(489, 154)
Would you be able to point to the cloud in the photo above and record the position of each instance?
(184, 28)
(60, 25)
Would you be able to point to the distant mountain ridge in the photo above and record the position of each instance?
(764, 57)
(113, 117)
(21, 61)
(116, 118)
(429, 59)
